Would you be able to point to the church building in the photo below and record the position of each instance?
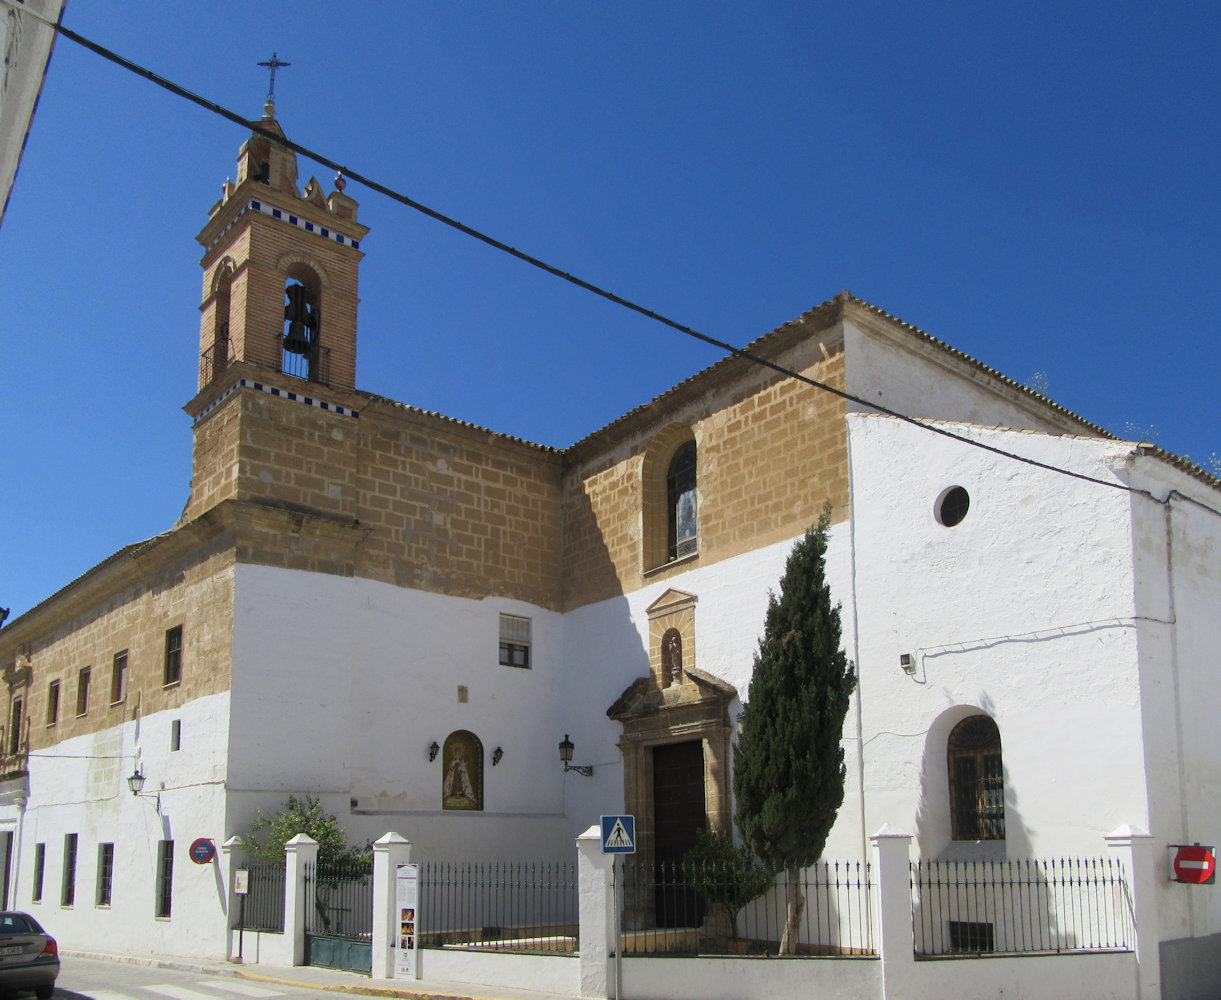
(410, 616)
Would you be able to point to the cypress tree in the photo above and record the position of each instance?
(788, 777)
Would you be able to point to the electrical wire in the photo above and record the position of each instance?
(588, 286)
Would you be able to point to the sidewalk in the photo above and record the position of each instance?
(309, 977)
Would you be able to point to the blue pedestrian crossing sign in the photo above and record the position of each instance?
(618, 834)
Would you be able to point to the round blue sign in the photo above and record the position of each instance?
(202, 851)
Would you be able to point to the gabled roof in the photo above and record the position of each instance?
(821, 317)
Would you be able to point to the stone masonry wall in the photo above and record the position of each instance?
(771, 451)
(194, 591)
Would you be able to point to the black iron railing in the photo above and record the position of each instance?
(264, 897)
(339, 900)
(712, 909)
(1020, 906)
(501, 906)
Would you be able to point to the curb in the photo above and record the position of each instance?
(241, 972)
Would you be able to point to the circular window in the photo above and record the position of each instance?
(952, 506)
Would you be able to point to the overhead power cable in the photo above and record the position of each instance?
(588, 286)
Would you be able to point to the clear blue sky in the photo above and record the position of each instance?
(1036, 184)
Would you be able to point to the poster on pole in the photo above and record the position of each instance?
(406, 938)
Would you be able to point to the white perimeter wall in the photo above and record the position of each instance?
(79, 786)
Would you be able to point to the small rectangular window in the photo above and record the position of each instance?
(67, 894)
(173, 656)
(14, 728)
(176, 735)
(514, 641)
(82, 690)
(165, 877)
(105, 873)
(40, 864)
(52, 703)
(118, 678)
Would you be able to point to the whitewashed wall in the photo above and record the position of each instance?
(1178, 594)
(80, 787)
(896, 370)
(1023, 611)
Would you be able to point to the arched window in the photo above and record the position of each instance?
(462, 786)
(680, 502)
(668, 497)
(977, 780)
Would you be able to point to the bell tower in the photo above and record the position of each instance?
(278, 319)
(280, 271)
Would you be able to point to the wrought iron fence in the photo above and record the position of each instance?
(339, 900)
(1020, 906)
(732, 909)
(264, 906)
(506, 906)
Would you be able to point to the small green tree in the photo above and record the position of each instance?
(727, 877)
(267, 835)
(788, 777)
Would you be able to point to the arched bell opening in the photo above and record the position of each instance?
(301, 351)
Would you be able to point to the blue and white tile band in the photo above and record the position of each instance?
(298, 397)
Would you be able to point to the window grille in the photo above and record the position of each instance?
(82, 690)
(165, 877)
(105, 873)
(514, 641)
(118, 678)
(14, 729)
(67, 894)
(173, 655)
(52, 703)
(40, 864)
(977, 780)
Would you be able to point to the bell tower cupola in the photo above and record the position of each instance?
(280, 271)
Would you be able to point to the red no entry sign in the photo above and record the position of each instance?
(1195, 864)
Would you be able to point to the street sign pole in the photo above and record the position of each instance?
(618, 837)
(618, 870)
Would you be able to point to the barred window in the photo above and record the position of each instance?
(67, 893)
(173, 656)
(514, 641)
(82, 690)
(165, 877)
(977, 780)
(14, 730)
(105, 873)
(118, 678)
(40, 865)
(52, 703)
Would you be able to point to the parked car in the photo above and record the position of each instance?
(29, 956)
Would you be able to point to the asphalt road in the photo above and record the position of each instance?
(90, 979)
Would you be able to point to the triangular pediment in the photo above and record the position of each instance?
(669, 602)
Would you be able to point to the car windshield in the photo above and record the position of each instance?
(17, 923)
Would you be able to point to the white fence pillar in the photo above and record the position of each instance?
(893, 920)
(234, 856)
(389, 852)
(1136, 850)
(298, 852)
(596, 908)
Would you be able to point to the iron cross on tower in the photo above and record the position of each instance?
(273, 64)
